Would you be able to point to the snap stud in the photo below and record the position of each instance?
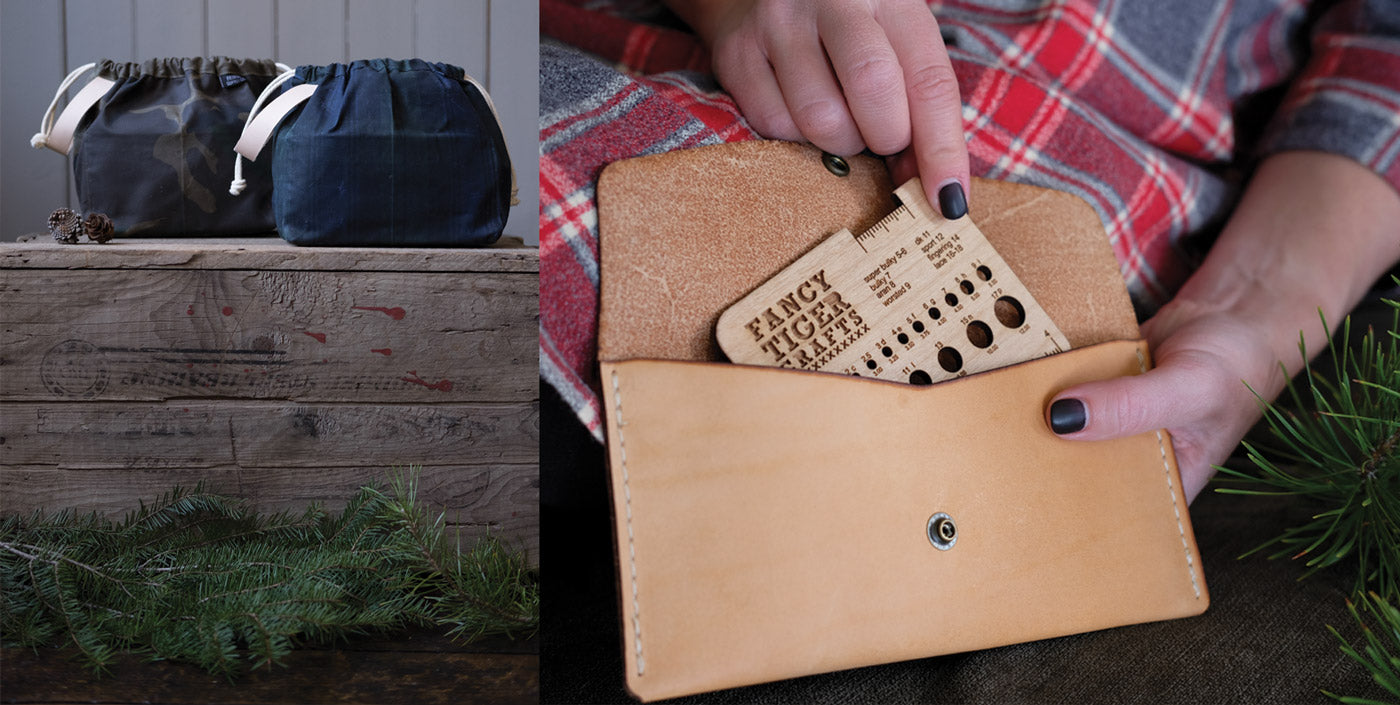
(942, 532)
(835, 164)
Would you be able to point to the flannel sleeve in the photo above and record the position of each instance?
(1346, 99)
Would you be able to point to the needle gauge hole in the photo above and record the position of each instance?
(979, 334)
(950, 359)
(1010, 312)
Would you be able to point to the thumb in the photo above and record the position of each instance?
(1126, 406)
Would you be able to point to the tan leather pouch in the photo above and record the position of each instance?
(775, 523)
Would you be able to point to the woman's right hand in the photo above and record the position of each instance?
(845, 75)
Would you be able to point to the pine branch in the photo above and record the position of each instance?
(1379, 651)
(1338, 449)
(1383, 452)
(501, 601)
(1341, 443)
(197, 577)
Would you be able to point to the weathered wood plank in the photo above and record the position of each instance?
(207, 434)
(435, 640)
(500, 499)
(262, 253)
(306, 336)
(305, 676)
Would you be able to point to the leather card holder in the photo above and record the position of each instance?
(777, 523)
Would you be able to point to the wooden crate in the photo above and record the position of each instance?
(280, 374)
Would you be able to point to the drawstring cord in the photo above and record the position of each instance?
(238, 184)
(41, 138)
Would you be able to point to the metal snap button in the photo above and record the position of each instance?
(835, 164)
(942, 532)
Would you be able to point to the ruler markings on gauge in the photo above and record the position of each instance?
(914, 298)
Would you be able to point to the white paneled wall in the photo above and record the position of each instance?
(497, 41)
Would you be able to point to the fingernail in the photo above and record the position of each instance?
(952, 201)
(1067, 416)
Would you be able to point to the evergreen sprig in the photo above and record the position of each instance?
(481, 591)
(1380, 648)
(199, 577)
(1339, 449)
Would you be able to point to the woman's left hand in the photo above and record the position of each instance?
(1313, 233)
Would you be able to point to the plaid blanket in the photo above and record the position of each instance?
(1151, 111)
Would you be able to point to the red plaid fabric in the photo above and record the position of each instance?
(1150, 111)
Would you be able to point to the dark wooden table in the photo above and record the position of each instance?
(419, 668)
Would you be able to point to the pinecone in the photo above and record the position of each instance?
(98, 227)
(65, 226)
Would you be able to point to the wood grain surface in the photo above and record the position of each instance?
(422, 668)
(278, 374)
(263, 253)
(258, 434)
(499, 499)
(258, 334)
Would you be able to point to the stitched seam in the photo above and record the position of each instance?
(1171, 492)
(631, 543)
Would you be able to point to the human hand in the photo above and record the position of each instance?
(1203, 358)
(1312, 233)
(845, 75)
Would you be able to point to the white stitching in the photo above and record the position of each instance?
(1171, 492)
(631, 543)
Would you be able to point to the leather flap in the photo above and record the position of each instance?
(774, 523)
(685, 234)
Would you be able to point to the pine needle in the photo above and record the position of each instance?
(1339, 452)
(1379, 650)
(1341, 449)
(197, 577)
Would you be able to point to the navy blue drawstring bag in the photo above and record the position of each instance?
(387, 153)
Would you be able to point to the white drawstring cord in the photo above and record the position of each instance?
(238, 184)
(514, 191)
(41, 138)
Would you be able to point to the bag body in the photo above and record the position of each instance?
(156, 153)
(391, 153)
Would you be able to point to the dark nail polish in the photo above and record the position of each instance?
(952, 201)
(1067, 416)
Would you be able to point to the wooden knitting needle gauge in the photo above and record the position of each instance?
(916, 298)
